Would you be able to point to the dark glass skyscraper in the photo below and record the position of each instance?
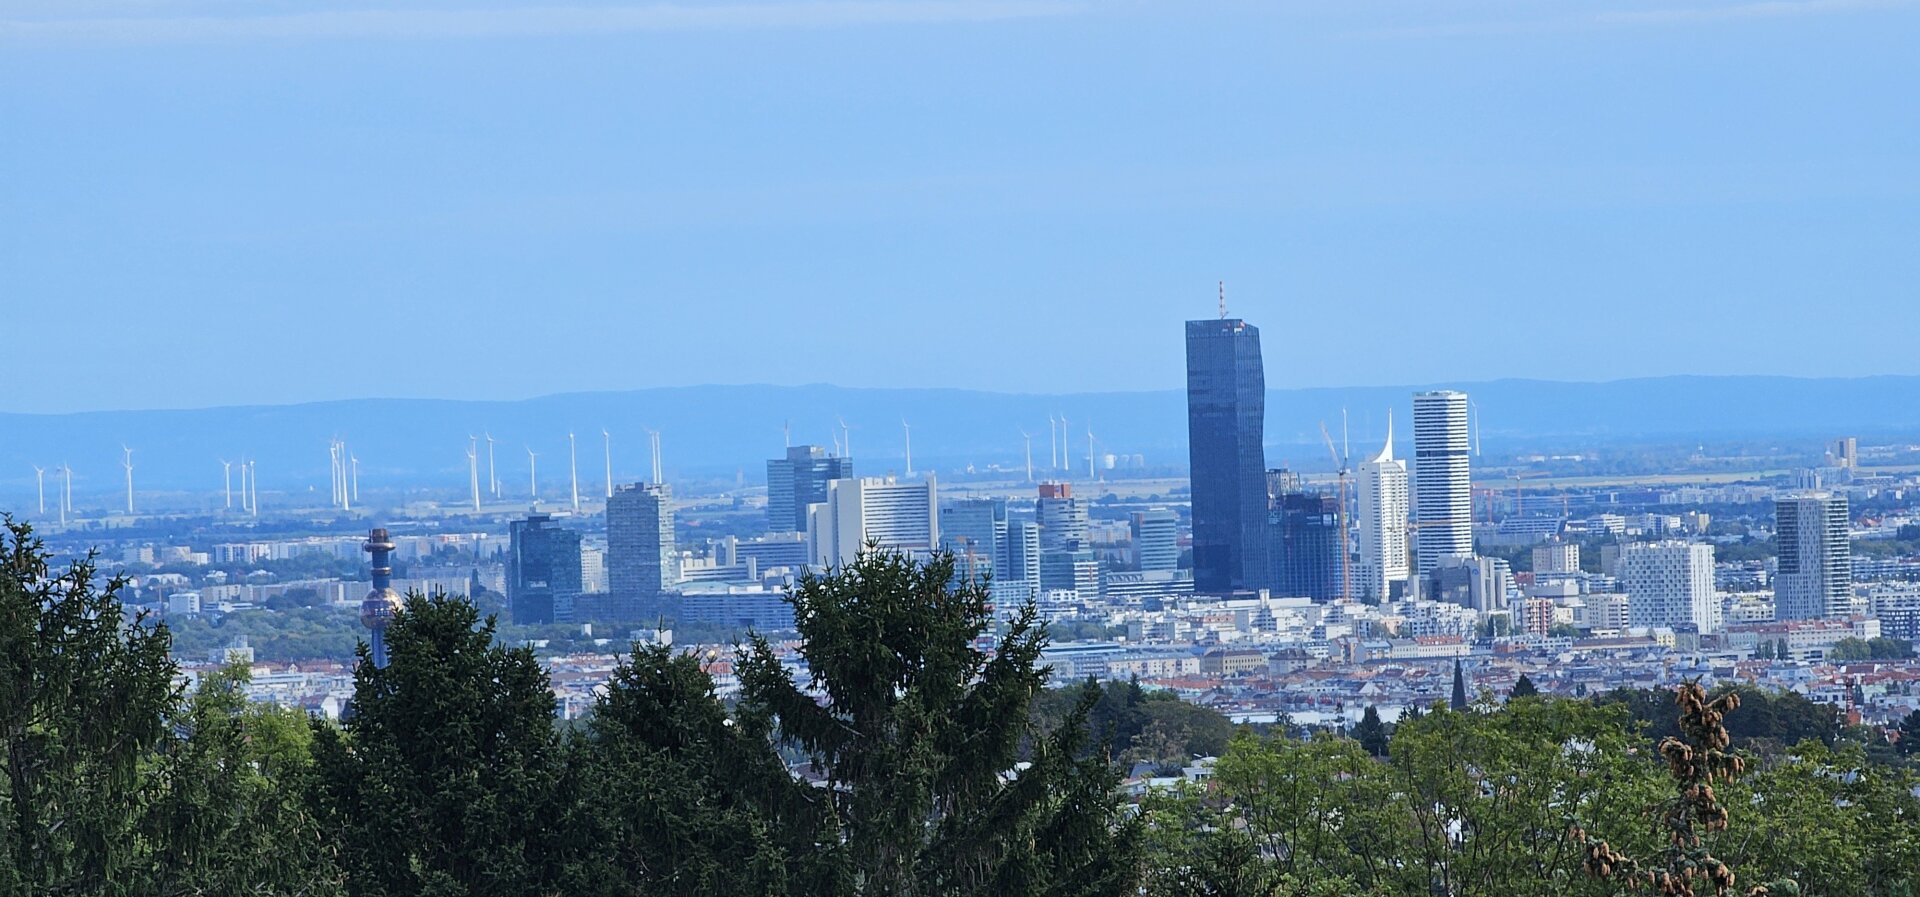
(1226, 423)
(1305, 539)
(543, 571)
(798, 480)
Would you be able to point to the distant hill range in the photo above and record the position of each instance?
(710, 432)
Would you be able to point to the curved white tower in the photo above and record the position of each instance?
(1382, 521)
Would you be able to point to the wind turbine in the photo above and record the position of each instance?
(128, 464)
(1066, 453)
(40, 480)
(66, 494)
(1028, 439)
(908, 428)
(786, 432)
(846, 436)
(1053, 443)
(244, 505)
(226, 480)
(253, 486)
(493, 479)
(346, 498)
(606, 443)
(1090, 473)
(653, 440)
(1476, 427)
(573, 470)
(533, 480)
(473, 469)
(355, 463)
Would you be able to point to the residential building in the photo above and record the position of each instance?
(1556, 557)
(1816, 557)
(1670, 583)
(641, 557)
(1443, 485)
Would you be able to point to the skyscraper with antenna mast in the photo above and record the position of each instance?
(1226, 427)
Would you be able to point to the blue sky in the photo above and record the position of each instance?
(238, 202)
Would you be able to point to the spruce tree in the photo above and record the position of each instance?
(1909, 743)
(443, 780)
(1523, 688)
(84, 700)
(1459, 700)
(1371, 732)
(668, 795)
(918, 730)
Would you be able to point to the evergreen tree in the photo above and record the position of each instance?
(670, 796)
(1371, 732)
(919, 733)
(111, 783)
(1909, 743)
(443, 781)
(1459, 700)
(84, 699)
(1523, 688)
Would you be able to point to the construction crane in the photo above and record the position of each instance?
(1346, 556)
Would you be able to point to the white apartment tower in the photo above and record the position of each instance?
(894, 515)
(1670, 584)
(1816, 558)
(1383, 522)
(1556, 557)
(1442, 484)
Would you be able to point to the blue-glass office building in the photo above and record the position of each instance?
(1226, 422)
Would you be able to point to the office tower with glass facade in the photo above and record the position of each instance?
(1305, 528)
(1156, 539)
(1226, 425)
(894, 515)
(798, 480)
(543, 571)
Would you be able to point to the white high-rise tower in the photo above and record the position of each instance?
(1383, 522)
(1442, 483)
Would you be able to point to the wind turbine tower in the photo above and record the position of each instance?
(1028, 439)
(226, 480)
(253, 486)
(533, 479)
(573, 470)
(493, 478)
(1066, 453)
(66, 493)
(40, 480)
(908, 429)
(128, 464)
(354, 462)
(1053, 442)
(1091, 475)
(473, 469)
(653, 441)
(606, 446)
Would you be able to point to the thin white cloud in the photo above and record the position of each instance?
(1678, 15)
(529, 21)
